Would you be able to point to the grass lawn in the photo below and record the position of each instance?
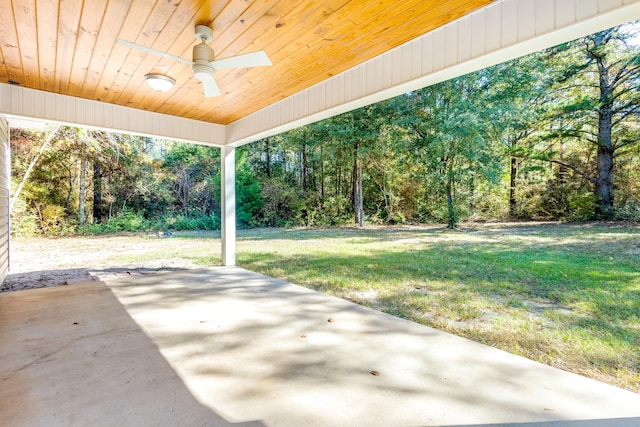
(567, 295)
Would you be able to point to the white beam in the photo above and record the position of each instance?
(24, 103)
(5, 189)
(501, 31)
(228, 208)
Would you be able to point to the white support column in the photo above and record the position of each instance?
(5, 190)
(228, 211)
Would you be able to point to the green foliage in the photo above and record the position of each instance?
(249, 200)
(52, 218)
(180, 222)
(629, 212)
(583, 206)
(24, 222)
(126, 220)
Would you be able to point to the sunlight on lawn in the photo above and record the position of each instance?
(564, 295)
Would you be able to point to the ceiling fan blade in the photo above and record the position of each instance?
(208, 84)
(253, 59)
(154, 51)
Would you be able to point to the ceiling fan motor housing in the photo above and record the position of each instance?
(202, 54)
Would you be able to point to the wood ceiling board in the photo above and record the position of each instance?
(3, 69)
(251, 17)
(25, 15)
(353, 46)
(307, 40)
(148, 33)
(68, 23)
(128, 30)
(115, 12)
(47, 29)
(349, 47)
(243, 23)
(247, 41)
(90, 26)
(10, 45)
(355, 53)
(278, 45)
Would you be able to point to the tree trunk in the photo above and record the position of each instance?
(562, 168)
(452, 218)
(322, 171)
(357, 186)
(305, 166)
(82, 180)
(97, 192)
(604, 175)
(513, 204)
(604, 178)
(267, 150)
(472, 192)
(183, 188)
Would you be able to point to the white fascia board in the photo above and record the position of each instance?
(29, 104)
(501, 31)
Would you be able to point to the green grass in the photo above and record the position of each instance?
(567, 295)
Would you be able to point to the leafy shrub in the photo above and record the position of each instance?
(628, 212)
(127, 220)
(52, 219)
(23, 221)
(582, 206)
(181, 222)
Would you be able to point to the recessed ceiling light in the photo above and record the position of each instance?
(160, 82)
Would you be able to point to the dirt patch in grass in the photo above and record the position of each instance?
(49, 262)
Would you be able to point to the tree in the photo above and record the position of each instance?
(82, 175)
(598, 95)
(190, 172)
(514, 94)
(50, 135)
(449, 132)
(357, 130)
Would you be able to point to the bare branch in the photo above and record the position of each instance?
(52, 133)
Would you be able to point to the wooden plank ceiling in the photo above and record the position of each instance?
(69, 46)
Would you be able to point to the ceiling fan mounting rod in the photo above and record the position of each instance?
(204, 33)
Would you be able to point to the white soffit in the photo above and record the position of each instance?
(18, 103)
(501, 31)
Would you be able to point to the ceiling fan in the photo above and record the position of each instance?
(203, 62)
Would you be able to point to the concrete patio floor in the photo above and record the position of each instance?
(226, 346)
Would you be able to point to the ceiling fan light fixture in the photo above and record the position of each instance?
(203, 62)
(160, 82)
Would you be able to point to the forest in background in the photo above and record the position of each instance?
(552, 135)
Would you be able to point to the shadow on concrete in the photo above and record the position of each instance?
(262, 348)
(225, 345)
(73, 356)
